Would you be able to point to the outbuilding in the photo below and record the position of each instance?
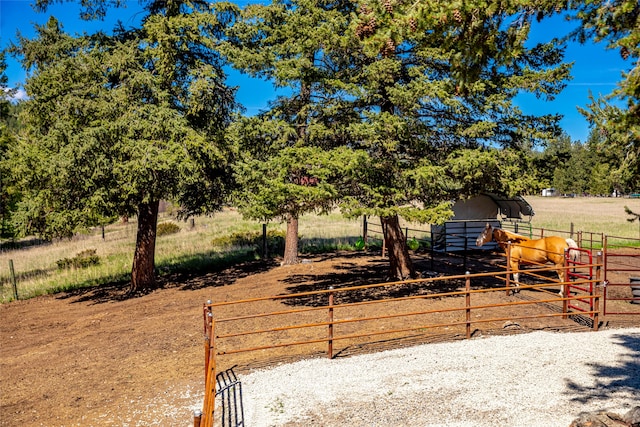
(471, 216)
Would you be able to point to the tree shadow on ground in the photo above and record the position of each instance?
(612, 379)
(117, 290)
(351, 274)
(219, 275)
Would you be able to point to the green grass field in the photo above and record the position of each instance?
(193, 249)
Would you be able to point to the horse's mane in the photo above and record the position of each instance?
(509, 236)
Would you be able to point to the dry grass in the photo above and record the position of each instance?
(591, 214)
(37, 272)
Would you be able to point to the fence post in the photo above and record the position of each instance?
(464, 259)
(565, 293)
(14, 282)
(197, 418)
(431, 250)
(565, 288)
(264, 241)
(364, 229)
(468, 303)
(596, 306)
(330, 330)
(604, 283)
(208, 316)
(508, 279)
(384, 237)
(210, 377)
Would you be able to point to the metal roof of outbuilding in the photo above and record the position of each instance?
(515, 207)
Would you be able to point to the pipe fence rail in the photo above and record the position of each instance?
(621, 267)
(342, 317)
(581, 269)
(621, 257)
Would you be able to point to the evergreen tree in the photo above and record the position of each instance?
(293, 155)
(607, 160)
(116, 124)
(8, 194)
(423, 92)
(556, 154)
(574, 175)
(600, 182)
(433, 88)
(616, 23)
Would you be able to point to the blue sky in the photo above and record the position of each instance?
(595, 68)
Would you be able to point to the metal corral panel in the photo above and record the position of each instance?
(461, 235)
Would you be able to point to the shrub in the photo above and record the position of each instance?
(165, 228)
(413, 244)
(83, 259)
(275, 240)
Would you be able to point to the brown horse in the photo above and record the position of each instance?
(528, 251)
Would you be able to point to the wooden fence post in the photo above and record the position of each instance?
(364, 229)
(467, 288)
(330, 329)
(14, 282)
(384, 239)
(264, 241)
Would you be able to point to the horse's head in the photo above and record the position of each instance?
(485, 236)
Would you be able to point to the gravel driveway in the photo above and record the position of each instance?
(541, 379)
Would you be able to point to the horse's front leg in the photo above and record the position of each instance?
(516, 277)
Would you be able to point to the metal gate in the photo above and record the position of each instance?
(581, 277)
(230, 394)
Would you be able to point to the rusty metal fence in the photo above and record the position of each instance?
(621, 267)
(340, 317)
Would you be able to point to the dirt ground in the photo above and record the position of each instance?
(97, 357)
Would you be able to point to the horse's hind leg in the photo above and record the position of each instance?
(561, 274)
(516, 280)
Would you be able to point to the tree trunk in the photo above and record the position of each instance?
(291, 241)
(401, 266)
(143, 271)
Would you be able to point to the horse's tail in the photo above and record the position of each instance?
(573, 255)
